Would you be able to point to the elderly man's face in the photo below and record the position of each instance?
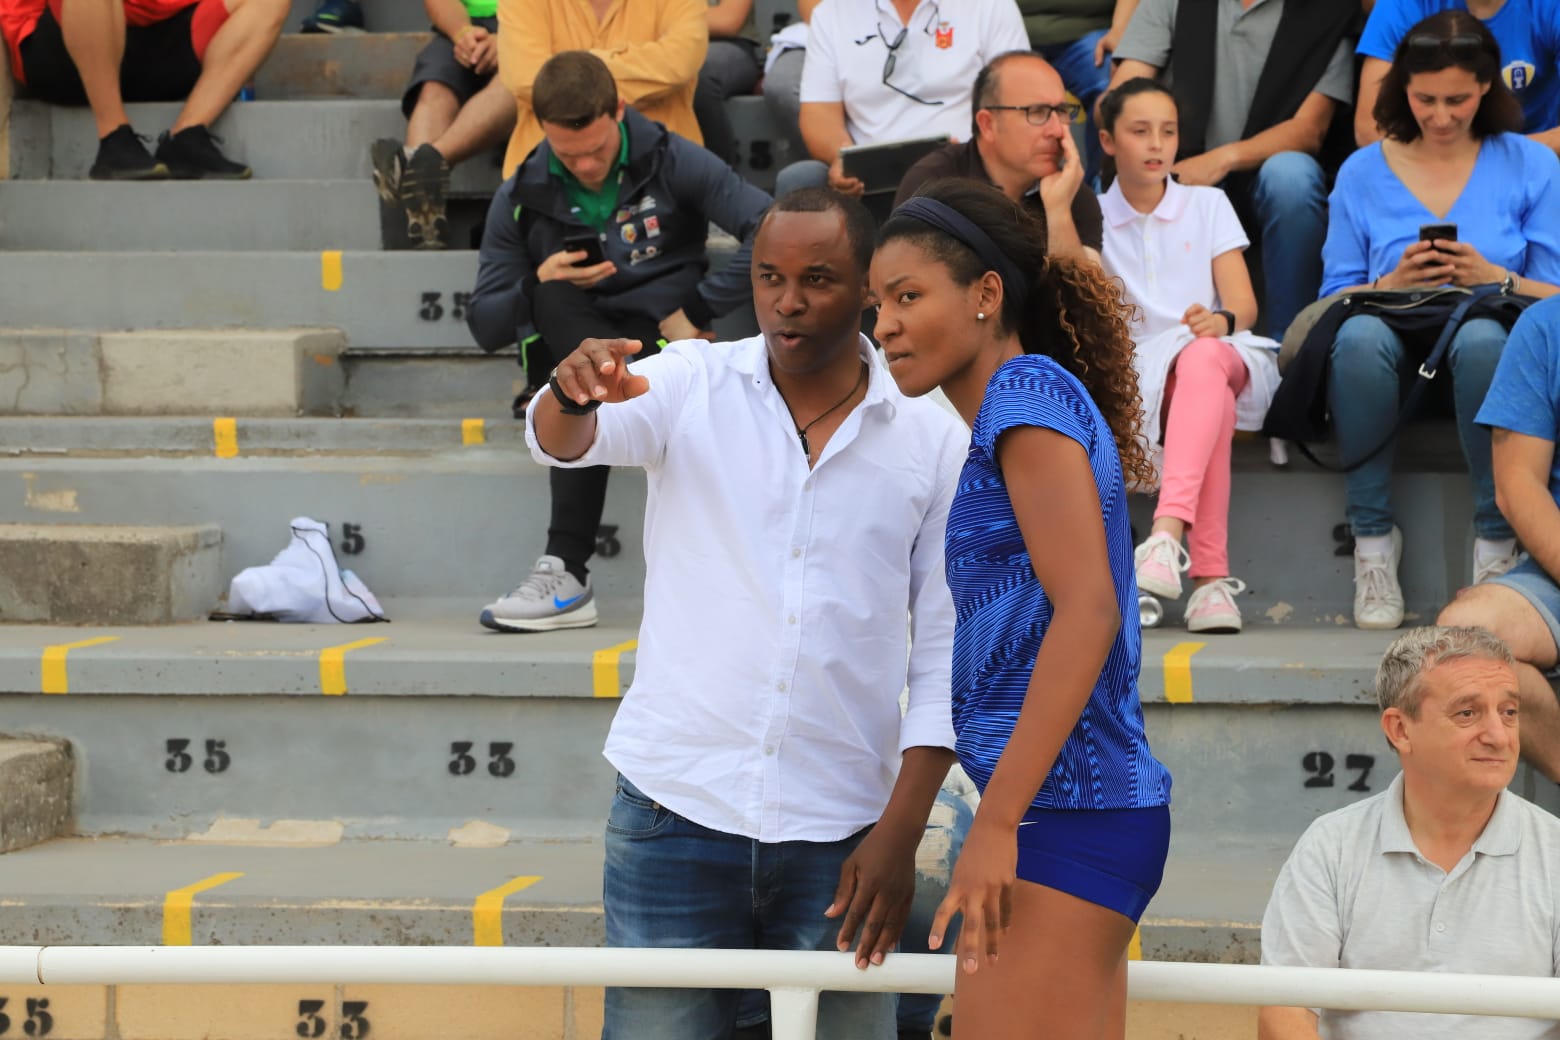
(1464, 735)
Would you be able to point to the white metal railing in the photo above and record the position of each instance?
(793, 979)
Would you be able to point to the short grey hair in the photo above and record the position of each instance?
(1399, 676)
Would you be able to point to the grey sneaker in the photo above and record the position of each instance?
(1378, 598)
(550, 598)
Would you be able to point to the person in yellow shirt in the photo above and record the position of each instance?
(654, 49)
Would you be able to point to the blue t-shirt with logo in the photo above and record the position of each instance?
(1003, 612)
(1524, 396)
(1528, 32)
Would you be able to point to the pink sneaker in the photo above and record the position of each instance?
(1212, 606)
(1160, 563)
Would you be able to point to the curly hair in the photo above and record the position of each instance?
(1070, 311)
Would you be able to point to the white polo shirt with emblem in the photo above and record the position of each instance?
(1357, 893)
(946, 44)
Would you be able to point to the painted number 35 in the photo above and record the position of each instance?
(38, 1021)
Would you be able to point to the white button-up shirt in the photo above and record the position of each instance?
(1357, 893)
(946, 44)
(786, 608)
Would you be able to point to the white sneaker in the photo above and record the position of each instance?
(1378, 598)
(1212, 607)
(1493, 566)
(1160, 562)
(550, 598)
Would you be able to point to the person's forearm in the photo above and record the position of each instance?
(1531, 510)
(1122, 14)
(823, 129)
(447, 16)
(564, 437)
(1062, 234)
(1292, 135)
(922, 771)
(1366, 132)
(726, 18)
(1287, 1023)
(1126, 69)
(1066, 670)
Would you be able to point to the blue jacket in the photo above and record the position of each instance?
(672, 189)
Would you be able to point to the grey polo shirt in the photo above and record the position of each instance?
(1356, 893)
(1240, 50)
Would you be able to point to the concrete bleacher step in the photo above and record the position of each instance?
(170, 371)
(36, 778)
(99, 436)
(425, 383)
(84, 574)
(314, 66)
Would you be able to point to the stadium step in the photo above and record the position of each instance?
(113, 437)
(315, 66)
(36, 778)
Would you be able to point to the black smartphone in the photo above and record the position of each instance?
(591, 244)
(1444, 232)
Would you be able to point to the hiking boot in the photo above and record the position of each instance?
(388, 160)
(549, 598)
(335, 16)
(191, 154)
(122, 156)
(425, 188)
(1212, 607)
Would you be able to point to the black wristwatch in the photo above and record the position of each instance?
(1229, 317)
(567, 404)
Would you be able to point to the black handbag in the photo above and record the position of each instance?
(1425, 319)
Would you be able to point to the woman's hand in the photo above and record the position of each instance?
(1422, 264)
(1468, 267)
(982, 890)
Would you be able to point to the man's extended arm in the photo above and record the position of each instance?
(1304, 132)
(1522, 466)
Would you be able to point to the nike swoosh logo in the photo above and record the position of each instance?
(565, 604)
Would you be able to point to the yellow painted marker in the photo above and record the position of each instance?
(224, 434)
(53, 675)
(1178, 672)
(473, 431)
(605, 674)
(333, 665)
(330, 270)
(177, 905)
(487, 914)
(1135, 947)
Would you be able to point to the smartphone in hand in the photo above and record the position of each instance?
(590, 244)
(1444, 232)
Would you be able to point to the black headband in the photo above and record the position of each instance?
(950, 221)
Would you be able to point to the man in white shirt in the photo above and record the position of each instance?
(1445, 870)
(888, 70)
(794, 586)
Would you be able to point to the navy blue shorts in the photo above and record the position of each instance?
(1113, 858)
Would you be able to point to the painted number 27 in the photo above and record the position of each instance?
(1319, 767)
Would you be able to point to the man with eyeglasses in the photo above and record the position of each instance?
(1263, 88)
(1528, 32)
(1022, 143)
(888, 70)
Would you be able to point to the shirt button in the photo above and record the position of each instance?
(795, 553)
(791, 620)
(780, 686)
(1440, 926)
(770, 750)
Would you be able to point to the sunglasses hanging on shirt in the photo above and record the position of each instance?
(892, 58)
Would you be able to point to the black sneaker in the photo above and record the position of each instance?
(388, 160)
(122, 156)
(425, 187)
(192, 154)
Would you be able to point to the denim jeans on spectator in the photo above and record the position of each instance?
(783, 95)
(1074, 62)
(731, 68)
(1370, 370)
(672, 883)
(565, 315)
(1284, 208)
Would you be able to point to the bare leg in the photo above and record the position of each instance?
(1060, 975)
(1509, 615)
(484, 122)
(232, 56)
(436, 108)
(94, 32)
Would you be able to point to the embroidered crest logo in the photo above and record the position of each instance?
(1518, 75)
(630, 233)
(944, 36)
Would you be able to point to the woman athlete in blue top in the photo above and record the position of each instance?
(1070, 839)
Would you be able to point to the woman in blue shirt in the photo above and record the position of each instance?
(1070, 839)
(1450, 155)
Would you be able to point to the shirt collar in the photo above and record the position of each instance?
(752, 359)
(1118, 211)
(1501, 836)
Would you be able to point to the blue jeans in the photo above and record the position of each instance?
(1074, 62)
(672, 883)
(1287, 201)
(1369, 371)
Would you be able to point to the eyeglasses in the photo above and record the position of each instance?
(1466, 48)
(892, 59)
(1039, 115)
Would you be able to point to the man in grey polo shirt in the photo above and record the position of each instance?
(1445, 870)
(1255, 118)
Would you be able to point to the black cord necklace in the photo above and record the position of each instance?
(801, 431)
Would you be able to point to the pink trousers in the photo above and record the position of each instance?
(1199, 423)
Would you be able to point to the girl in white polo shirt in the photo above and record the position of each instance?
(1201, 374)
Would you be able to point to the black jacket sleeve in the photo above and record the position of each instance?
(500, 305)
(705, 184)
